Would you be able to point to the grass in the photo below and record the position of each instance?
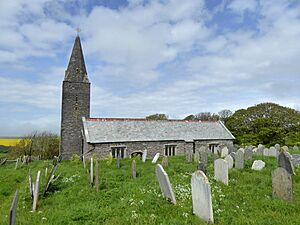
(121, 200)
(9, 141)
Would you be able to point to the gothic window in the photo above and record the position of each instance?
(118, 151)
(170, 150)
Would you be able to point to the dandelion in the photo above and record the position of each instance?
(142, 202)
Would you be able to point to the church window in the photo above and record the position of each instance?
(118, 151)
(170, 150)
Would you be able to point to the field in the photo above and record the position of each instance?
(122, 200)
(9, 141)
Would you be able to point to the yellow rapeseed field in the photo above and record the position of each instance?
(9, 141)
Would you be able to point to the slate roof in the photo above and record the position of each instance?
(109, 130)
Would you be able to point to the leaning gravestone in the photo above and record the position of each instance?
(224, 152)
(229, 161)
(282, 184)
(239, 159)
(258, 165)
(164, 183)
(221, 171)
(13, 209)
(155, 158)
(248, 154)
(285, 162)
(201, 196)
(144, 156)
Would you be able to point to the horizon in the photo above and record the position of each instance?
(146, 57)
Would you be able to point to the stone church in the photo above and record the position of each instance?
(83, 135)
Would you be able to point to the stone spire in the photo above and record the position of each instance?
(76, 71)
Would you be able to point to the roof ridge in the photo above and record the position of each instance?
(144, 119)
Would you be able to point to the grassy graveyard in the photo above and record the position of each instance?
(123, 200)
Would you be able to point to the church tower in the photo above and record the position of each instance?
(75, 103)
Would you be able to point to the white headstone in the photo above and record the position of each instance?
(266, 152)
(164, 183)
(224, 152)
(229, 161)
(258, 165)
(91, 171)
(221, 171)
(155, 158)
(144, 156)
(201, 196)
(36, 191)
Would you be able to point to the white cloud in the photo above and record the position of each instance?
(240, 6)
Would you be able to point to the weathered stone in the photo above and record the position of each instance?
(248, 154)
(204, 157)
(165, 162)
(118, 161)
(196, 156)
(260, 149)
(277, 146)
(97, 175)
(229, 161)
(241, 149)
(155, 158)
(144, 156)
(258, 165)
(30, 185)
(282, 184)
(202, 149)
(295, 148)
(232, 154)
(201, 166)
(92, 172)
(13, 209)
(189, 156)
(285, 162)
(221, 171)
(36, 192)
(273, 152)
(164, 183)
(83, 160)
(217, 150)
(284, 148)
(254, 151)
(296, 159)
(46, 172)
(133, 167)
(266, 152)
(224, 152)
(201, 197)
(239, 159)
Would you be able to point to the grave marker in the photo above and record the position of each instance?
(258, 165)
(273, 152)
(30, 185)
(201, 166)
(144, 156)
(229, 161)
(221, 171)
(196, 156)
(239, 159)
(282, 184)
(285, 162)
(248, 154)
(92, 172)
(201, 196)
(155, 158)
(36, 192)
(224, 152)
(165, 162)
(204, 157)
(13, 209)
(133, 167)
(97, 175)
(164, 183)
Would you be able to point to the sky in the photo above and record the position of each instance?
(144, 57)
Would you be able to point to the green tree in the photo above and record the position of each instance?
(157, 117)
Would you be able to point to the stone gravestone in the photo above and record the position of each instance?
(295, 148)
(31, 185)
(83, 160)
(118, 161)
(196, 156)
(282, 184)
(204, 157)
(202, 149)
(201, 197)
(164, 183)
(248, 154)
(144, 156)
(97, 175)
(13, 209)
(155, 158)
(296, 159)
(201, 166)
(92, 172)
(221, 171)
(133, 167)
(266, 152)
(258, 165)
(165, 161)
(285, 162)
(232, 154)
(239, 159)
(277, 146)
(273, 152)
(285, 148)
(229, 161)
(36, 191)
(224, 152)
(260, 150)
(189, 156)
